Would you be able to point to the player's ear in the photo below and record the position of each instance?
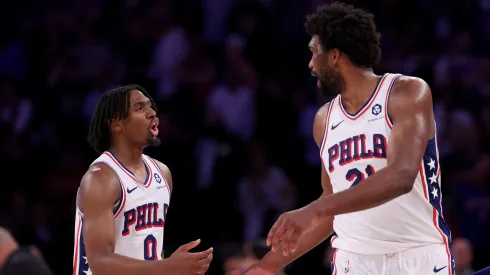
(334, 56)
(115, 125)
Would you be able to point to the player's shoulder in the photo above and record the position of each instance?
(410, 87)
(99, 179)
(410, 95)
(99, 188)
(322, 111)
(99, 172)
(319, 123)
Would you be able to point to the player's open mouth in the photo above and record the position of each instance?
(154, 127)
(318, 84)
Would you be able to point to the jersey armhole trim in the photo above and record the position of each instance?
(76, 254)
(388, 119)
(325, 130)
(79, 212)
(161, 173)
(122, 199)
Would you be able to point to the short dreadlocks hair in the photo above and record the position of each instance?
(113, 104)
(348, 29)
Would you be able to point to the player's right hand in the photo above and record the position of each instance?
(190, 263)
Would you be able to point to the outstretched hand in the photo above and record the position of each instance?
(289, 227)
(185, 262)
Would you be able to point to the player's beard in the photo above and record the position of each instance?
(331, 82)
(154, 141)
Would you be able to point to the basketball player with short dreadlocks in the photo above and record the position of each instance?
(123, 198)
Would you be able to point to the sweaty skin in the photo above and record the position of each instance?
(98, 192)
(100, 189)
(410, 107)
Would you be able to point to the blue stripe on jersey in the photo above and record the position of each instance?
(83, 266)
(431, 171)
(453, 264)
(116, 208)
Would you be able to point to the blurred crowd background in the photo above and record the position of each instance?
(236, 105)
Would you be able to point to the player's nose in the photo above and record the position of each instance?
(151, 113)
(310, 65)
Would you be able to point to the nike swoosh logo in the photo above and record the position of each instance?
(131, 190)
(335, 126)
(438, 269)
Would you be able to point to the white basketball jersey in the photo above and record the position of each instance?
(139, 216)
(353, 148)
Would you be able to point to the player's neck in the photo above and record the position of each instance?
(359, 86)
(130, 157)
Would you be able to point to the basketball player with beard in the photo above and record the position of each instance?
(123, 198)
(380, 174)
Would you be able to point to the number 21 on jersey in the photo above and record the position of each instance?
(355, 176)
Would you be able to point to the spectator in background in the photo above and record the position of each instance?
(171, 48)
(463, 256)
(14, 109)
(473, 214)
(461, 140)
(256, 250)
(230, 113)
(232, 102)
(196, 72)
(17, 261)
(328, 259)
(234, 259)
(263, 194)
(13, 58)
(238, 258)
(485, 128)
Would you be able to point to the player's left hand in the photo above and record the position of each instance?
(290, 226)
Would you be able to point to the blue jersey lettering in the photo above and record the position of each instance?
(355, 148)
(143, 217)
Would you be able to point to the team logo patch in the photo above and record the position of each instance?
(376, 110)
(157, 178)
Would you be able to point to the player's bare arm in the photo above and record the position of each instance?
(99, 190)
(410, 107)
(275, 259)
